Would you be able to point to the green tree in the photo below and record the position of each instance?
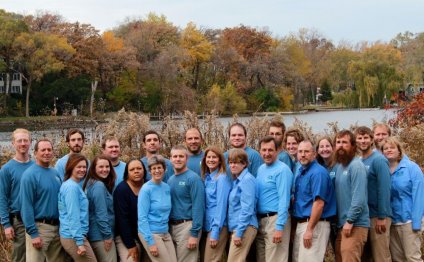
(326, 94)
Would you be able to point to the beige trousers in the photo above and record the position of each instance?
(18, 246)
(52, 249)
(320, 238)
(101, 253)
(215, 254)
(266, 250)
(405, 244)
(165, 247)
(239, 253)
(350, 249)
(180, 234)
(71, 248)
(380, 243)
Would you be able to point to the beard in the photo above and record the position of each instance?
(344, 157)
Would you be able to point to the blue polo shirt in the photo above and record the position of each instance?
(314, 182)
(194, 162)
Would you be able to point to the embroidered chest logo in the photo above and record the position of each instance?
(182, 183)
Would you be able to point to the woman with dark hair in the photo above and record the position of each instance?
(242, 220)
(407, 194)
(73, 211)
(217, 189)
(154, 207)
(98, 186)
(125, 202)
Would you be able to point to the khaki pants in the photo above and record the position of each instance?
(71, 248)
(350, 248)
(165, 247)
(180, 234)
(320, 238)
(405, 244)
(123, 251)
(380, 242)
(215, 254)
(101, 253)
(52, 249)
(239, 253)
(18, 246)
(266, 250)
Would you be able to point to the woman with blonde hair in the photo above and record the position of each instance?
(407, 194)
(217, 189)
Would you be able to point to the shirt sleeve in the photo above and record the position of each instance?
(383, 187)
(122, 213)
(73, 209)
(143, 207)
(257, 161)
(417, 195)
(27, 195)
(248, 203)
(284, 185)
(222, 192)
(358, 176)
(197, 195)
(100, 211)
(5, 187)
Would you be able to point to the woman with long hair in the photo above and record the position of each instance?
(98, 186)
(73, 211)
(407, 194)
(125, 199)
(325, 156)
(217, 189)
(154, 207)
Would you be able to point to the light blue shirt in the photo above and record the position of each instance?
(61, 164)
(101, 212)
(242, 204)
(274, 184)
(10, 183)
(154, 207)
(407, 193)
(119, 171)
(73, 212)
(168, 172)
(39, 196)
(284, 157)
(217, 189)
(255, 161)
(194, 162)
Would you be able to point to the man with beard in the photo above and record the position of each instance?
(112, 149)
(193, 141)
(352, 199)
(381, 131)
(188, 207)
(10, 206)
(277, 129)
(75, 141)
(379, 184)
(238, 134)
(152, 143)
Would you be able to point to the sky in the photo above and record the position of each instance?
(338, 20)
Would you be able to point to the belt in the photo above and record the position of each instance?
(16, 215)
(270, 214)
(177, 222)
(306, 219)
(53, 222)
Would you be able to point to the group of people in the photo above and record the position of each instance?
(357, 191)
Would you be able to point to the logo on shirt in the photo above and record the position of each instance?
(345, 173)
(182, 183)
(367, 167)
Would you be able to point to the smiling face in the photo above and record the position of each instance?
(112, 150)
(380, 133)
(364, 143)
(291, 146)
(44, 153)
(212, 161)
(193, 141)
(237, 137)
(102, 168)
(391, 152)
(79, 171)
(179, 160)
(268, 152)
(157, 171)
(325, 149)
(21, 142)
(135, 171)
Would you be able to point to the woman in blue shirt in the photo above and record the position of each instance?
(407, 194)
(242, 220)
(154, 207)
(125, 199)
(98, 186)
(73, 211)
(217, 189)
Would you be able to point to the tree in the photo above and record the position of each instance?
(38, 54)
(326, 94)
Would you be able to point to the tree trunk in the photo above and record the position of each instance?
(93, 90)
(27, 97)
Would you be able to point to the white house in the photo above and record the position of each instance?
(16, 85)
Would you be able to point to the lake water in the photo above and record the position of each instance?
(317, 120)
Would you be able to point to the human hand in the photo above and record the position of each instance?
(10, 233)
(192, 242)
(108, 244)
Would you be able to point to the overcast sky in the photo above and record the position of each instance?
(353, 20)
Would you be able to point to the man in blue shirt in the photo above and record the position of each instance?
(238, 134)
(40, 185)
(10, 181)
(352, 199)
(314, 206)
(152, 143)
(274, 182)
(112, 149)
(188, 207)
(75, 141)
(193, 141)
(277, 129)
(379, 183)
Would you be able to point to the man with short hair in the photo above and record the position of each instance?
(238, 134)
(152, 143)
(351, 198)
(193, 141)
(314, 206)
(379, 184)
(292, 138)
(75, 141)
(188, 207)
(277, 129)
(380, 132)
(274, 182)
(112, 149)
(39, 191)
(10, 182)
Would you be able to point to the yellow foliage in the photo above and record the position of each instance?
(112, 43)
(199, 48)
